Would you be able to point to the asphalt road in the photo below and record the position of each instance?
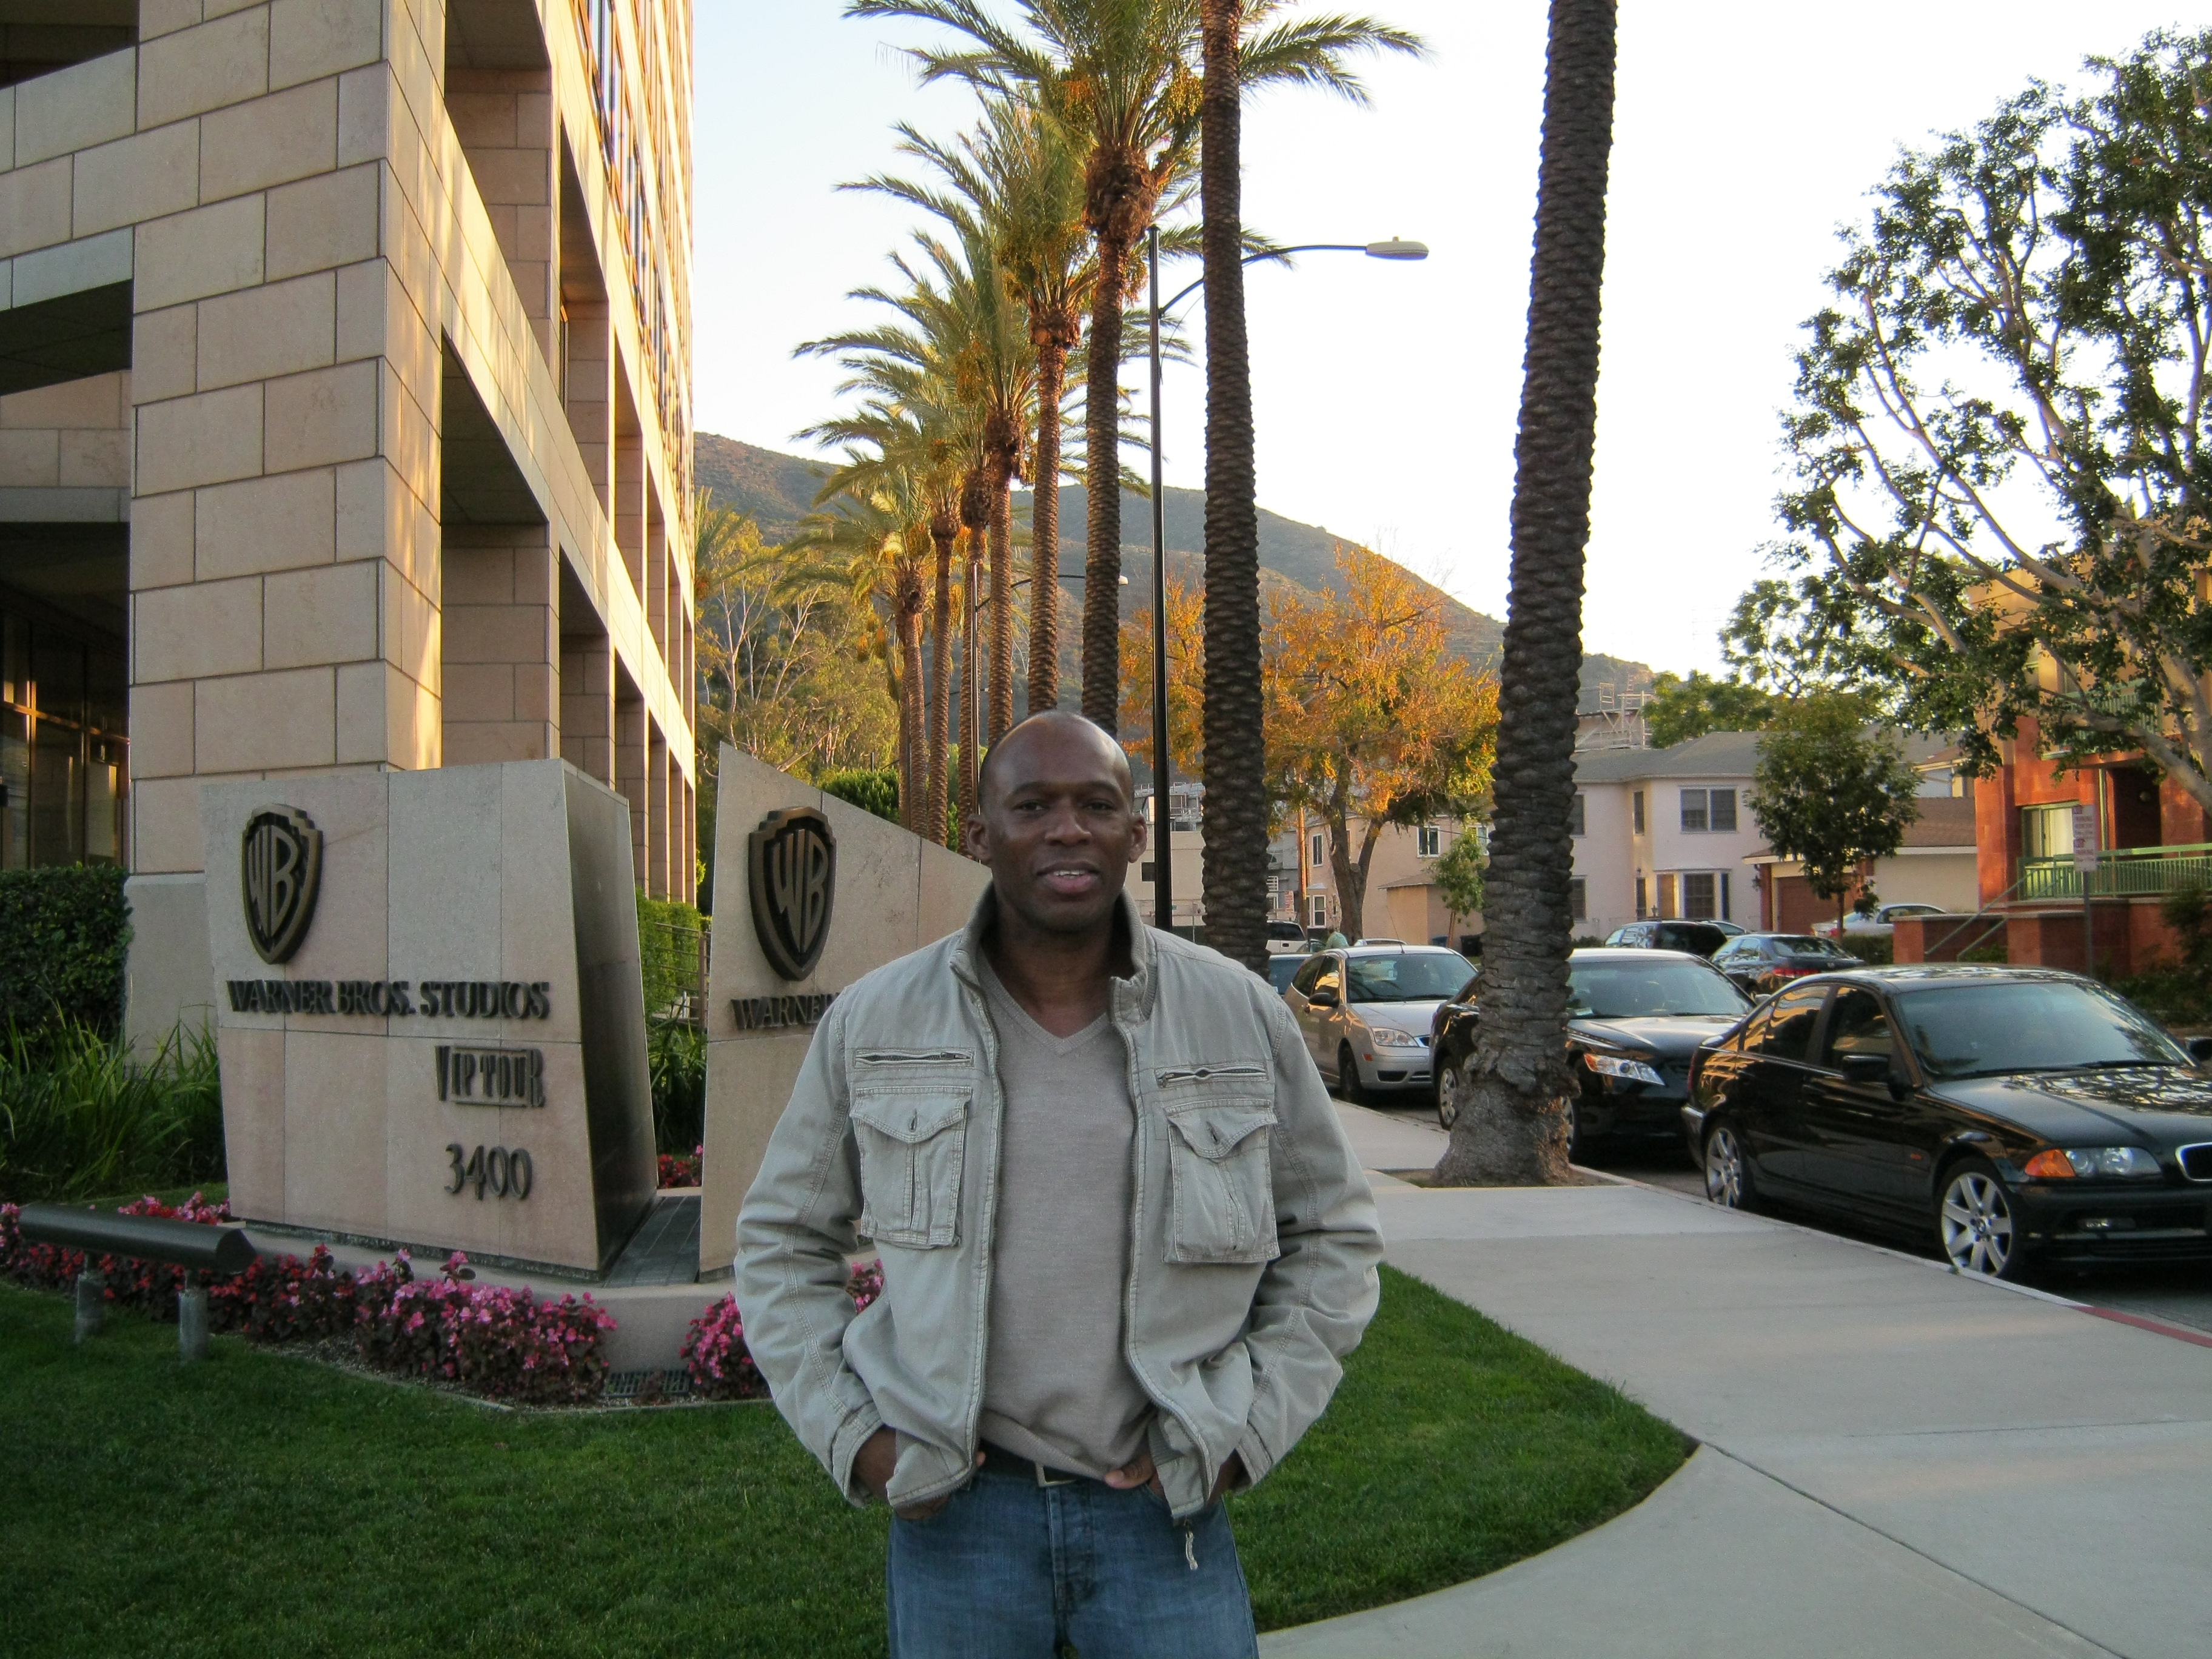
(2176, 1295)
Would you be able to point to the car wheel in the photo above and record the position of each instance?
(1348, 1085)
(1574, 1138)
(1451, 1090)
(1974, 1223)
(1728, 1172)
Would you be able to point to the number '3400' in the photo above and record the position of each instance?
(492, 1170)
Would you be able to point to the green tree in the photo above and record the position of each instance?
(1681, 708)
(1999, 433)
(1462, 875)
(1513, 1128)
(1831, 793)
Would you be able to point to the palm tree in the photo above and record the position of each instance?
(1514, 1126)
(1235, 805)
(1016, 182)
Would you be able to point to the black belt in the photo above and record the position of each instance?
(1006, 1462)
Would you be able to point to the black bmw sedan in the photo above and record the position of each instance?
(1637, 1018)
(1762, 963)
(2014, 1116)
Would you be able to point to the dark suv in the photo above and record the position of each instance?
(1700, 939)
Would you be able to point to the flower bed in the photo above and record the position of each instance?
(714, 1353)
(488, 1339)
(678, 1170)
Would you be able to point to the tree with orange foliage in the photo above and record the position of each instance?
(1186, 680)
(1371, 720)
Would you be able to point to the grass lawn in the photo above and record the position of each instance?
(260, 1503)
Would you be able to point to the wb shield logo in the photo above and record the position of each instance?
(281, 865)
(794, 881)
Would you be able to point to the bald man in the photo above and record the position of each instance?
(1125, 1244)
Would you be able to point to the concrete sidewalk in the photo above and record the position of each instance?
(1897, 1462)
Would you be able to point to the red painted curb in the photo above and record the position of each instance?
(2200, 1338)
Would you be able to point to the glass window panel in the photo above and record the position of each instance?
(57, 793)
(15, 660)
(103, 804)
(1789, 1033)
(57, 669)
(15, 792)
(1578, 897)
(1721, 808)
(1577, 816)
(1693, 809)
(106, 692)
(1636, 806)
(1858, 1026)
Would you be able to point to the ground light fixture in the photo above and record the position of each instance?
(1162, 761)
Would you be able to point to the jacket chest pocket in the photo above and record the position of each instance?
(1221, 1198)
(910, 1121)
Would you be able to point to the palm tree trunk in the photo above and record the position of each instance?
(911, 687)
(1002, 608)
(1236, 800)
(1514, 1127)
(941, 532)
(1101, 463)
(1044, 533)
(971, 713)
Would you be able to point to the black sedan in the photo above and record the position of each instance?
(1762, 963)
(2013, 1115)
(1637, 1019)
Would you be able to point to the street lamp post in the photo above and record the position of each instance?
(1163, 762)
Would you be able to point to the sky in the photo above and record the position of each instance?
(1386, 393)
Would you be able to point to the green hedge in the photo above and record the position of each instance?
(668, 933)
(62, 937)
(873, 789)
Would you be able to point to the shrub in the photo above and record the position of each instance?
(489, 1338)
(669, 936)
(679, 1171)
(77, 1118)
(873, 789)
(714, 1354)
(62, 937)
(675, 1061)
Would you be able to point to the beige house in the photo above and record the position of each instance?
(1403, 900)
(344, 417)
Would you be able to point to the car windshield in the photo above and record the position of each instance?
(1415, 977)
(1620, 990)
(2029, 1026)
(1807, 945)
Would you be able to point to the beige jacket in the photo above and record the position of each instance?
(1252, 1270)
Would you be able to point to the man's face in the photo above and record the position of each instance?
(1057, 827)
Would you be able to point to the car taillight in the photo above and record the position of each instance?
(1790, 973)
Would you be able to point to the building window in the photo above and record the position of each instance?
(1575, 817)
(1642, 904)
(1726, 913)
(2047, 832)
(1319, 903)
(63, 753)
(1317, 854)
(1669, 909)
(1709, 810)
(1699, 901)
(1636, 804)
(1429, 840)
(1148, 871)
(1578, 896)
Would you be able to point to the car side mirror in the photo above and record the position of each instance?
(1321, 998)
(1866, 1068)
(2200, 1049)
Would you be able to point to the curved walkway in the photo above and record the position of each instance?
(1896, 1461)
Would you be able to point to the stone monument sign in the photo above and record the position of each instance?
(811, 892)
(428, 1009)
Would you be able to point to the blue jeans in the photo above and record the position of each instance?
(1011, 1570)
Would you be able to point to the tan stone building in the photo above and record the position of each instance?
(344, 417)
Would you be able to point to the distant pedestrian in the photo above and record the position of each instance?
(1336, 941)
(1125, 1245)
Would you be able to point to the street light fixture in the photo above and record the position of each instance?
(1163, 765)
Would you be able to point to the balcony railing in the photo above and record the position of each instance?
(2125, 873)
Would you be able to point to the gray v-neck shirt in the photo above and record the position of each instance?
(1055, 1385)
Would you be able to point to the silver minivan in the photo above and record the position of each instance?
(1365, 1013)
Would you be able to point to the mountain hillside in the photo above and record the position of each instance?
(779, 490)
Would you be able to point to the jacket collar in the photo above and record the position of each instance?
(1130, 1000)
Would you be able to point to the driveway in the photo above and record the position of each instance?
(1895, 1460)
